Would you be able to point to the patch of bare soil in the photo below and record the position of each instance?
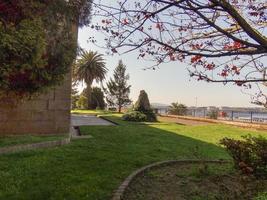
(187, 122)
(194, 182)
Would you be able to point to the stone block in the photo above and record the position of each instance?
(63, 94)
(62, 115)
(43, 115)
(48, 113)
(25, 115)
(3, 116)
(32, 105)
(59, 105)
(47, 96)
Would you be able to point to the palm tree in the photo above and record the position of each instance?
(90, 67)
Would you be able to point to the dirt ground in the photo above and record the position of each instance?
(182, 121)
(193, 182)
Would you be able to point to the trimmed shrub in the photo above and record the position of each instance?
(142, 104)
(150, 116)
(134, 116)
(249, 155)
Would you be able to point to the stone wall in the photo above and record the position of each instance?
(46, 114)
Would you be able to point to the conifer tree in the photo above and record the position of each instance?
(118, 89)
(142, 104)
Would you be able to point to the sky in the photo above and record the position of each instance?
(168, 83)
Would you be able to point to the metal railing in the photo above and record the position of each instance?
(231, 115)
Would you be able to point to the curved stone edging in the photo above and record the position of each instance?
(24, 147)
(118, 195)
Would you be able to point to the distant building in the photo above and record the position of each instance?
(160, 108)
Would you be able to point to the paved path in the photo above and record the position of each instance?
(88, 120)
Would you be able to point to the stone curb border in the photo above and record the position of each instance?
(104, 118)
(118, 194)
(24, 147)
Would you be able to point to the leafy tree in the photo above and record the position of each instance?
(118, 89)
(98, 101)
(90, 67)
(222, 40)
(142, 104)
(178, 109)
(81, 103)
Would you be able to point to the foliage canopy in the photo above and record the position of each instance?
(89, 67)
(37, 43)
(220, 40)
(177, 109)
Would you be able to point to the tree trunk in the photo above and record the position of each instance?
(89, 96)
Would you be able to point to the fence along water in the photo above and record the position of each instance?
(252, 116)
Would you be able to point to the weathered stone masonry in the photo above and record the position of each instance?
(47, 114)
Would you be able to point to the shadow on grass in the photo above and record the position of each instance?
(94, 168)
(28, 139)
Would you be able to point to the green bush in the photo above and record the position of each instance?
(213, 114)
(112, 109)
(150, 116)
(142, 105)
(135, 116)
(177, 109)
(249, 155)
(81, 103)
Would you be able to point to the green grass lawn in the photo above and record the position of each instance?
(94, 168)
(27, 139)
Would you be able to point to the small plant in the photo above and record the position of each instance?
(135, 116)
(213, 114)
(112, 109)
(203, 168)
(150, 116)
(250, 154)
(223, 114)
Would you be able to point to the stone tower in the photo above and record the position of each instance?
(46, 114)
